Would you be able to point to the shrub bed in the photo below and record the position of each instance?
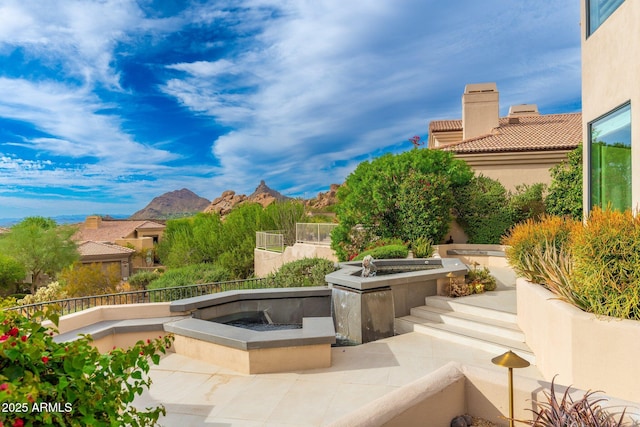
(595, 265)
(303, 272)
(385, 252)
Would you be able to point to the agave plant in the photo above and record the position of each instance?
(566, 412)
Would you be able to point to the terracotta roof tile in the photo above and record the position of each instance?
(110, 231)
(531, 133)
(96, 248)
(445, 125)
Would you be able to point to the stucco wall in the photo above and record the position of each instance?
(266, 262)
(598, 353)
(610, 63)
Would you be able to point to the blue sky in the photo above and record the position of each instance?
(107, 104)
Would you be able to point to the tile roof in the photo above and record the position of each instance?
(445, 125)
(531, 133)
(110, 231)
(97, 248)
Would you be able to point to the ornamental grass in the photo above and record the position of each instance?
(593, 265)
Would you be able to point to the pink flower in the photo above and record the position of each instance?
(4, 386)
(18, 423)
(4, 338)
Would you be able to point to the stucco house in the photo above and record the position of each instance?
(118, 241)
(517, 149)
(610, 99)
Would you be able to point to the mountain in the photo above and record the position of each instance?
(173, 204)
(324, 200)
(229, 199)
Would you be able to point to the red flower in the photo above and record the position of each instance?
(4, 338)
(13, 331)
(45, 359)
(4, 386)
(18, 423)
(148, 341)
(23, 338)
(13, 344)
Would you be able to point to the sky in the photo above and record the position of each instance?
(106, 104)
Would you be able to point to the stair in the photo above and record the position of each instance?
(467, 321)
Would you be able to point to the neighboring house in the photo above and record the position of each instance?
(517, 149)
(107, 254)
(106, 241)
(611, 103)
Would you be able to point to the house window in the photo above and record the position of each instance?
(610, 154)
(598, 11)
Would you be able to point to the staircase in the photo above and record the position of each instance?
(481, 321)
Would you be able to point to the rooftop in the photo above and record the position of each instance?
(110, 231)
(523, 133)
(89, 248)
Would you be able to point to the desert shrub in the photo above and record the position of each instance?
(52, 292)
(565, 191)
(142, 279)
(385, 252)
(422, 247)
(95, 389)
(8, 302)
(483, 211)
(481, 276)
(91, 279)
(190, 275)
(523, 238)
(565, 411)
(459, 288)
(606, 263)
(303, 272)
(527, 202)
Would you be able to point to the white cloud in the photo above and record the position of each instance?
(359, 76)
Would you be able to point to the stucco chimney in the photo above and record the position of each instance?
(523, 110)
(93, 222)
(480, 109)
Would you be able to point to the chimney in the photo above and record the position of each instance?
(523, 110)
(480, 109)
(93, 222)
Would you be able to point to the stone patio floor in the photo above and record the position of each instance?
(195, 393)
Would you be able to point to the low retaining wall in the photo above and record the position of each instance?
(435, 399)
(116, 325)
(266, 262)
(590, 352)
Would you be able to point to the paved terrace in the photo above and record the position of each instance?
(200, 394)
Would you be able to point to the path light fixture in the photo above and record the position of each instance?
(510, 360)
(451, 276)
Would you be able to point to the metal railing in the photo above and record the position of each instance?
(270, 240)
(73, 305)
(314, 233)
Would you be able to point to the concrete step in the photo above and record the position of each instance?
(470, 305)
(487, 325)
(464, 336)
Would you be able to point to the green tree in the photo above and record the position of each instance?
(238, 238)
(41, 247)
(283, 216)
(565, 191)
(527, 202)
(483, 210)
(11, 272)
(369, 203)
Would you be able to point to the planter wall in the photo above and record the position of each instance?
(587, 351)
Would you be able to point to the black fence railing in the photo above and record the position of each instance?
(72, 305)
